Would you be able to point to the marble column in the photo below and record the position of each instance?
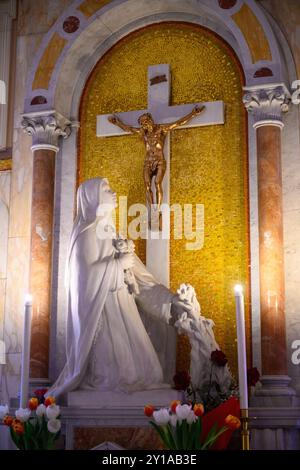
(45, 128)
(267, 105)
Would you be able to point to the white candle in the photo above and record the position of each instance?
(26, 352)
(241, 344)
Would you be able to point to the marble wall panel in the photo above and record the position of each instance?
(20, 209)
(287, 15)
(65, 182)
(5, 178)
(17, 287)
(291, 225)
(38, 17)
(2, 304)
(25, 53)
(10, 379)
(291, 160)
(292, 286)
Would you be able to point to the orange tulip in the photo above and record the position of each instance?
(17, 426)
(148, 410)
(33, 404)
(173, 405)
(198, 409)
(232, 422)
(49, 401)
(8, 420)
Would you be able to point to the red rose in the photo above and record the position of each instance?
(219, 358)
(182, 380)
(253, 376)
(39, 393)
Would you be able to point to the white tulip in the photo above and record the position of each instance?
(54, 425)
(161, 416)
(52, 411)
(41, 410)
(191, 418)
(173, 420)
(3, 411)
(183, 411)
(23, 414)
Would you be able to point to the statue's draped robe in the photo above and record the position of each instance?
(108, 347)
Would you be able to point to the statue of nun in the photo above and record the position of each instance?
(108, 347)
(117, 340)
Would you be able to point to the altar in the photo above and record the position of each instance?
(93, 418)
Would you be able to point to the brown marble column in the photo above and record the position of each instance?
(45, 128)
(266, 105)
(273, 336)
(41, 258)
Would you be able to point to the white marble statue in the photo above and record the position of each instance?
(202, 339)
(108, 347)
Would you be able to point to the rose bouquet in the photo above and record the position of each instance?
(36, 427)
(123, 246)
(180, 426)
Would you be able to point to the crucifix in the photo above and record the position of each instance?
(163, 116)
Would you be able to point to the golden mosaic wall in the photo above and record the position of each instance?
(208, 164)
(5, 165)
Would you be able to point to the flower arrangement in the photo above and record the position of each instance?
(180, 426)
(210, 393)
(36, 427)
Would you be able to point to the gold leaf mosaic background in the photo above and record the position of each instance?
(208, 164)
(5, 165)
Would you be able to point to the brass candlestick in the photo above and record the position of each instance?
(245, 429)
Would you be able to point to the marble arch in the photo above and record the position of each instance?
(65, 59)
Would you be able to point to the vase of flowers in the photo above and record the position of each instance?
(181, 426)
(36, 427)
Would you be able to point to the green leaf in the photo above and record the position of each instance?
(161, 433)
(196, 434)
(213, 436)
(185, 436)
(173, 430)
(16, 438)
(179, 435)
(191, 435)
(172, 436)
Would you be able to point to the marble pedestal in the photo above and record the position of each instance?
(107, 400)
(275, 415)
(89, 413)
(275, 391)
(276, 428)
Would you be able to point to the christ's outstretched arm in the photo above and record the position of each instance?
(184, 119)
(117, 122)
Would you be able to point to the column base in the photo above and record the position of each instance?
(275, 391)
(37, 383)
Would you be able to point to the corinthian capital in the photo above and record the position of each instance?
(267, 104)
(45, 128)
